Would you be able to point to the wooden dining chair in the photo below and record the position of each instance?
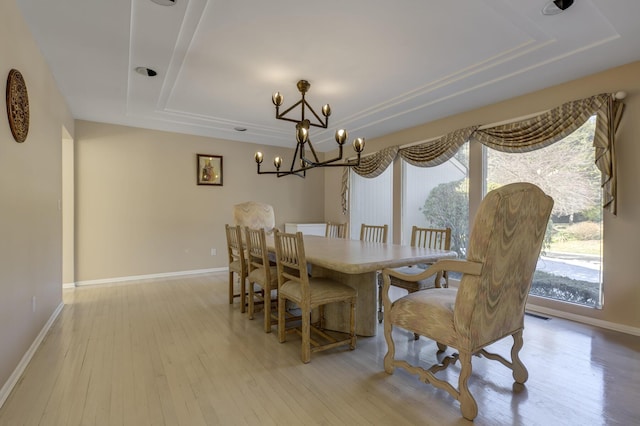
(336, 230)
(261, 273)
(295, 284)
(237, 264)
(374, 233)
(425, 238)
(489, 304)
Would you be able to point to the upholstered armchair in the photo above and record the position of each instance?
(489, 305)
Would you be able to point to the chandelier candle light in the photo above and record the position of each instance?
(302, 138)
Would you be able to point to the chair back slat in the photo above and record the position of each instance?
(431, 238)
(234, 244)
(374, 233)
(257, 255)
(291, 260)
(336, 230)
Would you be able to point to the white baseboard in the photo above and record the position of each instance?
(15, 376)
(68, 285)
(585, 320)
(146, 277)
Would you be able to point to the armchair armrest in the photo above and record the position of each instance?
(451, 265)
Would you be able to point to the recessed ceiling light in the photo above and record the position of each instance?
(148, 72)
(240, 129)
(556, 6)
(165, 2)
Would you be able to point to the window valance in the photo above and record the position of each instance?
(520, 136)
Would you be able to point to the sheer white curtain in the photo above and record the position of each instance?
(370, 201)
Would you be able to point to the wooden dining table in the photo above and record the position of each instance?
(355, 263)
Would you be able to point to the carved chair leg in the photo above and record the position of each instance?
(520, 373)
(391, 348)
(468, 405)
(416, 336)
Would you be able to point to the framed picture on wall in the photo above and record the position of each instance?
(209, 169)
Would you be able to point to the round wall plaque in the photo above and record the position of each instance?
(17, 105)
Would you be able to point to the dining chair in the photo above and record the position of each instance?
(237, 263)
(489, 304)
(260, 272)
(425, 238)
(336, 230)
(308, 293)
(374, 233)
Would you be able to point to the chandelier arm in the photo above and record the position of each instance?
(281, 116)
(332, 163)
(323, 124)
(313, 151)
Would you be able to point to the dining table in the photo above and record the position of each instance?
(356, 264)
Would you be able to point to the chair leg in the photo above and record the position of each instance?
(416, 336)
(306, 335)
(352, 325)
(281, 324)
(230, 288)
(251, 300)
(267, 308)
(380, 312)
(243, 294)
(520, 373)
(391, 348)
(468, 405)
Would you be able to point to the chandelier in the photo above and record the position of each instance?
(302, 137)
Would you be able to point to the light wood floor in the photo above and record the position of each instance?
(174, 352)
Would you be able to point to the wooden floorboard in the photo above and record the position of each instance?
(173, 352)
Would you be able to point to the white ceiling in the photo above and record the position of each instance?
(382, 65)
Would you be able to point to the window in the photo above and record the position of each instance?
(438, 197)
(370, 201)
(570, 267)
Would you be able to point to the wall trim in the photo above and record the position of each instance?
(585, 320)
(22, 365)
(147, 277)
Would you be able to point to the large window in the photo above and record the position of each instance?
(438, 197)
(570, 266)
(370, 201)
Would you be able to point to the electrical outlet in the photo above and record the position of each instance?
(214, 252)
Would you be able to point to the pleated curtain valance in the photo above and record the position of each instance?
(519, 136)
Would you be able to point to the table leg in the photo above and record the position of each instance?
(337, 314)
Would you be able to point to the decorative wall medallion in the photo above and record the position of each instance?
(17, 105)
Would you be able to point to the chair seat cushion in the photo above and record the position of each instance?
(258, 276)
(235, 266)
(322, 290)
(428, 313)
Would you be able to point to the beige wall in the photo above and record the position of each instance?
(622, 232)
(139, 210)
(30, 189)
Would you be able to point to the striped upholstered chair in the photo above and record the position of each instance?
(489, 305)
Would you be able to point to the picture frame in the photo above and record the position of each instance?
(209, 169)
